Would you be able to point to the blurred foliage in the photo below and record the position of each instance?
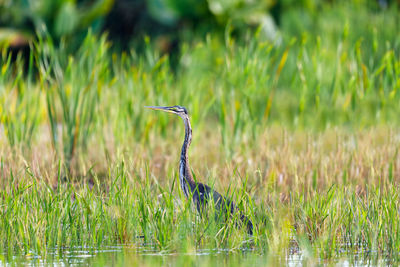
(60, 19)
(171, 21)
(168, 21)
(124, 19)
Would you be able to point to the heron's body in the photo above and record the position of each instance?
(199, 192)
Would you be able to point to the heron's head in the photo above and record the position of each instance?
(179, 110)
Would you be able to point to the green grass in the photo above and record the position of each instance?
(293, 206)
(302, 135)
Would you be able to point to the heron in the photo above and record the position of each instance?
(200, 193)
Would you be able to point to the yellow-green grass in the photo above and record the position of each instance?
(333, 194)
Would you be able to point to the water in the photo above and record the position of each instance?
(142, 256)
(128, 256)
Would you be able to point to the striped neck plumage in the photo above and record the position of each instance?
(185, 176)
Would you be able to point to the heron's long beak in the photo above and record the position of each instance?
(166, 109)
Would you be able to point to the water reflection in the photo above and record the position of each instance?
(144, 256)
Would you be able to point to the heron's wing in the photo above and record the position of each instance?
(221, 203)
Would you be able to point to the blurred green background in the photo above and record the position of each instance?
(168, 21)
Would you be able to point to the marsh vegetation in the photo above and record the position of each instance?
(302, 135)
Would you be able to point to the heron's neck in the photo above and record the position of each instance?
(185, 176)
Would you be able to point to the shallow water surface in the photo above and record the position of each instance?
(128, 256)
(133, 256)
